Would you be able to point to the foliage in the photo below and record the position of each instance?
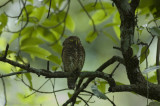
(42, 28)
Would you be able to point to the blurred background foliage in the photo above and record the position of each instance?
(36, 37)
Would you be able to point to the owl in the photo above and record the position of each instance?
(73, 57)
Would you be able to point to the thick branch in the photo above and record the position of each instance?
(157, 60)
(127, 27)
(61, 74)
(134, 74)
(141, 89)
(134, 4)
(50, 74)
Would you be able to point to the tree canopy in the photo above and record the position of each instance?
(32, 33)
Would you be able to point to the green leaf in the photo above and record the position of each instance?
(135, 49)
(3, 21)
(29, 77)
(152, 6)
(98, 93)
(24, 16)
(99, 16)
(110, 24)
(141, 28)
(144, 3)
(36, 51)
(51, 21)
(14, 37)
(57, 48)
(31, 1)
(46, 34)
(27, 31)
(155, 31)
(30, 9)
(69, 95)
(78, 101)
(116, 28)
(154, 103)
(70, 23)
(38, 12)
(153, 78)
(119, 83)
(3, 43)
(54, 59)
(144, 53)
(92, 7)
(102, 86)
(54, 68)
(5, 67)
(31, 41)
(91, 36)
(23, 100)
(153, 68)
(111, 37)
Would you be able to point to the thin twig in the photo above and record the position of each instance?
(44, 91)
(6, 51)
(14, 16)
(114, 69)
(95, 3)
(37, 89)
(49, 8)
(47, 65)
(79, 83)
(88, 92)
(27, 18)
(118, 48)
(5, 95)
(53, 85)
(89, 99)
(64, 21)
(83, 100)
(94, 26)
(111, 102)
(14, 73)
(5, 3)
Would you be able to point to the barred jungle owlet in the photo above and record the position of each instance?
(73, 56)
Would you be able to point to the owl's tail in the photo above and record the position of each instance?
(72, 82)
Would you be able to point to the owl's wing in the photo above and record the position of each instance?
(70, 60)
(81, 58)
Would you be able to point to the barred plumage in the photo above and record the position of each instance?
(73, 56)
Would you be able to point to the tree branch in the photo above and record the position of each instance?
(141, 89)
(5, 3)
(14, 73)
(5, 94)
(157, 59)
(100, 69)
(134, 4)
(138, 83)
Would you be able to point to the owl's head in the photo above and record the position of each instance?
(72, 40)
